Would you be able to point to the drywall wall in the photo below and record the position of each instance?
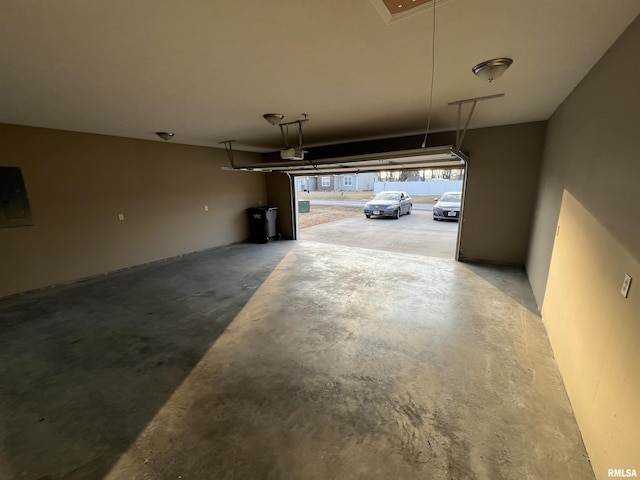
(502, 181)
(500, 196)
(586, 237)
(79, 183)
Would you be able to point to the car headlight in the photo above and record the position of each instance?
(392, 207)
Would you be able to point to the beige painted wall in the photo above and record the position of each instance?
(502, 181)
(78, 184)
(589, 189)
(502, 184)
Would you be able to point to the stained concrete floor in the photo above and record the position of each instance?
(290, 360)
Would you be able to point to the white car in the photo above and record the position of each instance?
(448, 206)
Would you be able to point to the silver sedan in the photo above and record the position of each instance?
(388, 204)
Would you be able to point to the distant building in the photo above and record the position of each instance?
(354, 182)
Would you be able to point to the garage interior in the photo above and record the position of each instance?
(142, 336)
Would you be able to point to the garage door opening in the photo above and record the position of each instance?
(410, 211)
(342, 174)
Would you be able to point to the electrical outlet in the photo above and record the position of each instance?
(625, 286)
(121, 216)
(206, 208)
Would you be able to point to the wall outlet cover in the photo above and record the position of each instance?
(625, 285)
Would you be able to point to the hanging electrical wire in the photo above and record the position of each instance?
(433, 67)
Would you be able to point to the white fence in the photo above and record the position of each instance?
(431, 187)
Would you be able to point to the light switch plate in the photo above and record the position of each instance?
(625, 286)
(121, 216)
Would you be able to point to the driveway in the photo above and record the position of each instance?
(360, 203)
(416, 234)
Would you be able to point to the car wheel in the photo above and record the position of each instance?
(367, 215)
(409, 210)
(435, 219)
(398, 213)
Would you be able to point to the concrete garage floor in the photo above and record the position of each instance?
(290, 360)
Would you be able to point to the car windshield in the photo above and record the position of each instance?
(451, 197)
(387, 196)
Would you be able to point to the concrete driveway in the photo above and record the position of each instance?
(416, 234)
(427, 207)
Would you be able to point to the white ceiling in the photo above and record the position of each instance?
(207, 69)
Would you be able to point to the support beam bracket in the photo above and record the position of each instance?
(460, 133)
(229, 148)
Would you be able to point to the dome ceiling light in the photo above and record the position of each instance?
(273, 118)
(489, 70)
(166, 136)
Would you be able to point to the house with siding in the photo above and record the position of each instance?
(353, 182)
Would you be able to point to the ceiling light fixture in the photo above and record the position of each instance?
(166, 136)
(489, 70)
(273, 118)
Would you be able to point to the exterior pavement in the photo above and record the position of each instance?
(360, 203)
(417, 234)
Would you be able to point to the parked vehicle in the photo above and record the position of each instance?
(448, 206)
(389, 204)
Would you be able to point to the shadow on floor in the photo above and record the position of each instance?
(516, 285)
(346, 367)
(85, 367)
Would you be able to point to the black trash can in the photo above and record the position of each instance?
(262, 223)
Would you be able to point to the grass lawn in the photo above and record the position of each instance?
(321, 214)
